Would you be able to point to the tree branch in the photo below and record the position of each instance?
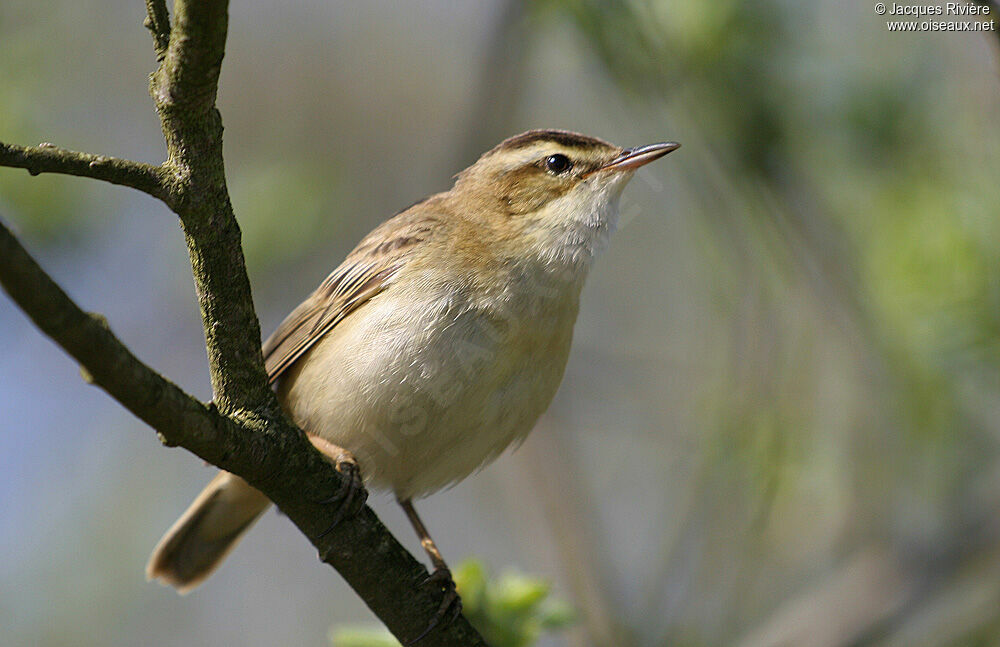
(183, 89)
(180, 418)
(244, 431)
(46, 158)
(271, 454)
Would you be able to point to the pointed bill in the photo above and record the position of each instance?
(633, 158)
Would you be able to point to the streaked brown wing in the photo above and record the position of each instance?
(368, 270)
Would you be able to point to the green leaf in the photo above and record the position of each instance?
(511, 611)
(518, 593)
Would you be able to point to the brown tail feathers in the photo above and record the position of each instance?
(197, 543)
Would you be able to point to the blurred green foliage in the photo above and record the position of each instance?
(658, 49)
(46, 206)
(512, 610)
(908, 246)
(285, 208)
(855, 221)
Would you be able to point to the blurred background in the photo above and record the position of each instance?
(780, 424)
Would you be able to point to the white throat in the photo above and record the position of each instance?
(576, 227)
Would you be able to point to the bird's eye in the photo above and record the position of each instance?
(558, 163)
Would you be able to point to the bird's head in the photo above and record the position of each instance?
(557, 188)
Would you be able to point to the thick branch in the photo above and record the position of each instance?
(194, 56)
(180, 419)
(270, 453)
(46, 158)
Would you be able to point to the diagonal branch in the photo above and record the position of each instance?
(180, 419)
(270, 453)
(46, 158)
(244, 431)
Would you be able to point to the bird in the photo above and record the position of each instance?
(438, 342)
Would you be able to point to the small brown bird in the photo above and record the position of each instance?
(441, 338)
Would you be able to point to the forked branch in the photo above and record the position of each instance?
(243, 431)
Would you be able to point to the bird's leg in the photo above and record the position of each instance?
(451, 605)
(351, 499)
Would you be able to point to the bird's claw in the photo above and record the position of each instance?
(351, 497)
(451, 604)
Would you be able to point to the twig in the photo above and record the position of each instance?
(158, 23)
(46, 158)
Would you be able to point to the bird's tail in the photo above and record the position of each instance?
(197, 543)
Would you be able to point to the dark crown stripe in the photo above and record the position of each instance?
(561, 137)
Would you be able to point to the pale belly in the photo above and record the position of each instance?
(422, 401)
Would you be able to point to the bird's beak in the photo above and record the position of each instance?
(633, 158)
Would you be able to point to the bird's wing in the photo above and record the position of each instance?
(366, 271)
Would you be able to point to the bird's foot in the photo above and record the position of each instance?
(451, 604)
(350, 498)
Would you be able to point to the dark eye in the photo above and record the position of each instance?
(558, 163)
